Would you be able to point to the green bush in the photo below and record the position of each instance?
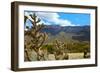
(49, 48)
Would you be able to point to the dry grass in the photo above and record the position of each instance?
(76, 55)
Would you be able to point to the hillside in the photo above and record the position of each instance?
(67, 33)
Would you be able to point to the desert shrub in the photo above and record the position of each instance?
(78, 47)
(49, 48)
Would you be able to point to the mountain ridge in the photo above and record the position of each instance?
(80, 33)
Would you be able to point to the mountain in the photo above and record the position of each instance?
(80, 33)
(55, 29)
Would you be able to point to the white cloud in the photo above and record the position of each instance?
(51, 18)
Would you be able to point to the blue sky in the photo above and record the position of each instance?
(62, 19)
(81, 19)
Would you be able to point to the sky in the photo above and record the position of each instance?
(60, 18)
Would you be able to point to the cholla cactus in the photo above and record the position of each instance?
(35, 38)
(60, 53)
